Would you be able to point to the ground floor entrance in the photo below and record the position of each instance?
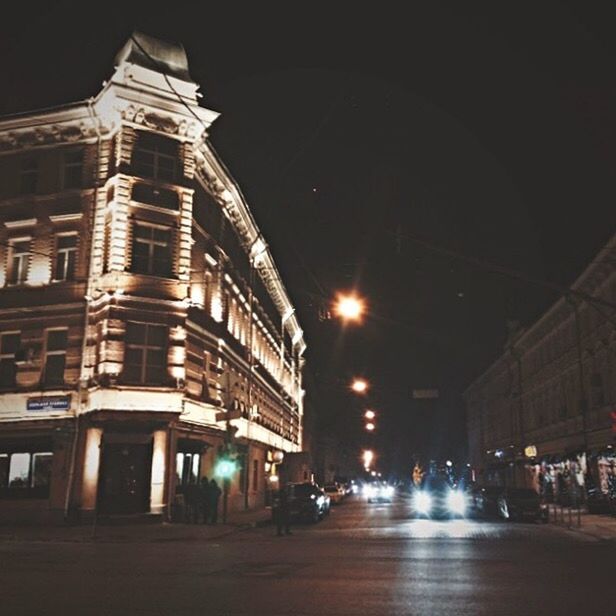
(125, 475)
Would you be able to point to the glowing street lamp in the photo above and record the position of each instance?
(369, 414)
(368, 457)
(370, 426)
(349, 307)
(359, 386)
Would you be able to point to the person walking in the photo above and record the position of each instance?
(214, 496)
(282, 513)
(204, 499)
(191, 500)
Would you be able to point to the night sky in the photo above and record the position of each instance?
(486, 131)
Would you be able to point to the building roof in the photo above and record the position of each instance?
(154, 54)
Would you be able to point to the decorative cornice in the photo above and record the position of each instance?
(157, 121)
(47, 134)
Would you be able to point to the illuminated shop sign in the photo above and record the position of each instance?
(49, 403)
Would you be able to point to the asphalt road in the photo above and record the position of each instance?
(363, 559)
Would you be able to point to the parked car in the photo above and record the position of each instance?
(335, 492)
(599, 502)
(485, 500)
(307, 502)
(521, 504)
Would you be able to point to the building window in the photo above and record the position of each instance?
(156, 157)
(55, 357)
(9, 345)
(26, 471)
(145, 357)
(151, 250)
(72, 169)
(19, 261)
(155, 195)
(29, 176)
(66, 254)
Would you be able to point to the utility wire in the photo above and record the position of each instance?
(506, 271)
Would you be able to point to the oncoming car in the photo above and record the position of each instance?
(379, 492)
(438, 498)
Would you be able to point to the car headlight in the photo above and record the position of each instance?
(422, 502)
(388, 491)
(456, 502)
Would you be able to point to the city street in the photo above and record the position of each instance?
(363, 559)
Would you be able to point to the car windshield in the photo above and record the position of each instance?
(303, 489)
(522, 493)
(436, 482)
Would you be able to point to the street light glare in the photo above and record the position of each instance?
(370, 426)
(369, 414)
(359, 386)
(349, 307)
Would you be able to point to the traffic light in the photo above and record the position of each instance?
(227, 464)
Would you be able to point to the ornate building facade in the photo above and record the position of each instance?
(543, 414)
(143, 321)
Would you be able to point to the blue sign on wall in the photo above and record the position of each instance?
(49, 403)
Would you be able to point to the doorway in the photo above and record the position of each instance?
(125, 478)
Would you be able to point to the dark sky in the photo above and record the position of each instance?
(483, 130)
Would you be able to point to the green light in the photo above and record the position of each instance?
(225, 468)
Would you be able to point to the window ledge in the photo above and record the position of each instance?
(154, 208)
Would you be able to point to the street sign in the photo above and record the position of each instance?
(425, 394)
(48, 403)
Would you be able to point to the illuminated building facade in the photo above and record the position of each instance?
(142, 318)
(543, 414)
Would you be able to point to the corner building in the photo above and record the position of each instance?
(142, 318)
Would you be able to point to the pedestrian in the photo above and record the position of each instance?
(204, 499)
(191, 501)
(282, 514)
(214, 496)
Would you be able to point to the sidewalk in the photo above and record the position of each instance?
(136, 532)
(601, 527)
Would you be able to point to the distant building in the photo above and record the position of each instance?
(142, 318)
(542, 414)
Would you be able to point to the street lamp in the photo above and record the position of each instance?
(369, 414)
(370, 426)
(349, 307)
(359, 386)
(367, 456)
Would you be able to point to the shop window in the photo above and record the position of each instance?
(72, 169)
(187, 468)
(151, 250)
(55, 357)
(9, 345)
(28, 176)
(156, 157)
(145, 358)
(66, 256)
(28, 473)
(19, 261)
